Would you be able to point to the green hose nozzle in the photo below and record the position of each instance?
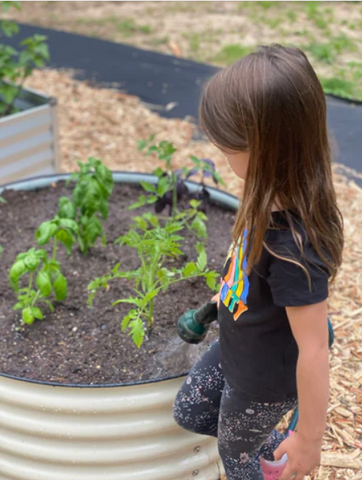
(193, 325)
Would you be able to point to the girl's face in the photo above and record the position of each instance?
(239, 162)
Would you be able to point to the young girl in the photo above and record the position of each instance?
(267, 114)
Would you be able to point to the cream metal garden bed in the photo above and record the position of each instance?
(29, 139)
(112, 432)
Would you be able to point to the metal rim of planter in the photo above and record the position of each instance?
(216, 196)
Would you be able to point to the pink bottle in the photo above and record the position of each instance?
(273, 470)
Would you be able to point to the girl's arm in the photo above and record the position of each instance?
(310, 329)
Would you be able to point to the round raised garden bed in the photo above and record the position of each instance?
(69, 411)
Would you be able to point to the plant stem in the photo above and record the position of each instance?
(150, 320)
(174, 194)
(30, 285)
(54, 256)
(35, 298)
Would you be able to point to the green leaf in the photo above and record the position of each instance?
(18, 306)
(196, 161)
(148, 187)
(195, 204)
(32, 261)
(9, 28)
(43, 283)
(82, 245)
(16, 271)
(103, 208)
(149, 297)
(27, 315)
(142, 200)
(199, 247)
(131, 315)
(105, 177)
(93, 229)
(9, 92)
(66, 209)
(37, 313)
(202, 261)
(199, 226)
(50, 305)
(45, 232)
(69, 224)
(173, 227)
(152, 219)
(60, 287)
(164, 273)
(159, 172)
(163, 186)
(137, 331)
(211, 280)
(116, 268)
(42, 254)
(190, 269)
(52, 268)
(132, 300)
(141, 223)
(218, 178)
(67, 239)
(141, 145)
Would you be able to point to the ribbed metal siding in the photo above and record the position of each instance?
(29, 143)
(114, 433)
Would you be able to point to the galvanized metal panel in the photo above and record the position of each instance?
(127, 432)
(29, 141)
(14, 129)
(39, 163)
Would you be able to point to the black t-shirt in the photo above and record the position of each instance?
(258, 350)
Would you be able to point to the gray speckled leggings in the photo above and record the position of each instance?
(207, 405)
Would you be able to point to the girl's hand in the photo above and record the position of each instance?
(216, 298)
(303, 456)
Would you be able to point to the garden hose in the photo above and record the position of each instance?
(193, 325)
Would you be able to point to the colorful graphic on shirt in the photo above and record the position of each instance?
(235, 284)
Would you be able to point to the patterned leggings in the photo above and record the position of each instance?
(207, 405)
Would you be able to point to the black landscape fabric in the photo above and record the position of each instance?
(172, 86)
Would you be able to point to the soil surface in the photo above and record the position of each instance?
(79, 345)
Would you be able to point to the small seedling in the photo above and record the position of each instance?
(48, 281)
(63, 230)
(207, 169)
(155, 244)
(171, 186)
(94, 185)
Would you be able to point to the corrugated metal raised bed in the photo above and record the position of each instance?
(111, 432)
(115, 433)
(29, 139)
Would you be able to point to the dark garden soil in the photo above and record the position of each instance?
(79, 345)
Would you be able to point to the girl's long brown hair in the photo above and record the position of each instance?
(271, 104)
